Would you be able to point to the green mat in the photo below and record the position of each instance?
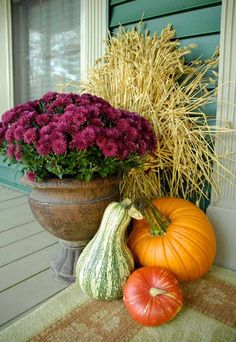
(209, 314)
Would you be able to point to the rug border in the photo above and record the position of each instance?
(66, 301)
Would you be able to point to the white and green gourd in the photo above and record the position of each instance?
(106, 262)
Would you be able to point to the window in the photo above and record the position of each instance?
(46, 46)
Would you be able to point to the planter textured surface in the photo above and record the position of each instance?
(72, 211)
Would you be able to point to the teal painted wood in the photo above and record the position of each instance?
(115, 2)
(133, 11)
(10, 176)
(206, 46)
(210, 110)
(16, 186)
(199, 22)
(7, 173)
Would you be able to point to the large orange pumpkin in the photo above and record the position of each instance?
(174, 234)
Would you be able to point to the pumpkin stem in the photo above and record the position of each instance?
(157, 222)
(154, 291)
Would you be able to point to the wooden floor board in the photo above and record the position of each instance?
(22, 314)
(24, 268)
(14, 202)
(25, 247)
(8, 218)
(6, 194)
(26, 250)
(19, 233)
(23, 296)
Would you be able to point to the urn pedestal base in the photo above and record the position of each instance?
(63, 266)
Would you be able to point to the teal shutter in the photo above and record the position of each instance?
(195, 21)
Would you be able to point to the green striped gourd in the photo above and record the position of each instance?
(106, 262)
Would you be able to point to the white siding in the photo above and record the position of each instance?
(222, 210)
(6, 77)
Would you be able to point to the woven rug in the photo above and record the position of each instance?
(209, 314)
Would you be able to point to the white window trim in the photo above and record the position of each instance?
(93, 34)
(94, 28)
(6, 71)
(222, 210)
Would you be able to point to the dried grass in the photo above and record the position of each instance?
(148, 75)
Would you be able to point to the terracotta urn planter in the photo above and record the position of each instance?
(72, 211)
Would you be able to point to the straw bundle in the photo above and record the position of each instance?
(148, 75)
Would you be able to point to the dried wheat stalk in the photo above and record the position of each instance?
(148, 74)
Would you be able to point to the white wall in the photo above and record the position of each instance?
(94, 29)
(6, 78)
(222, 211)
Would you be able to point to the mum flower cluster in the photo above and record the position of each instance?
(72, 135)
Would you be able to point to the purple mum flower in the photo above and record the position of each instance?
(31, 136)
(88, 135)
(113, 114)
(77, 120)
(43, 119)
(60, 123)
(31, 175)
(113, 133)
(96, 122)
(23, 121)
(9, 135)
(9, 117)
(60, 102)
(11, 150)
(79, 141)
(59, 146)
(55, 135)
(63, 126)
(19, 133)
(46, 130)
(2, 132)
(142, 147)
(43, 147)
(50, 96)
(123, 125)
(18, 154)
(109, 148)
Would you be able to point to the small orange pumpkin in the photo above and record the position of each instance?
(174, 234)
(152, 296)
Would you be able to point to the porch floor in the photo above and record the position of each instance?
(26, 250)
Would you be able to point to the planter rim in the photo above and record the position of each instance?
(70, 182)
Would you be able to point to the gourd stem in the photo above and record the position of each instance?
(126, 203)
(158, 223)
